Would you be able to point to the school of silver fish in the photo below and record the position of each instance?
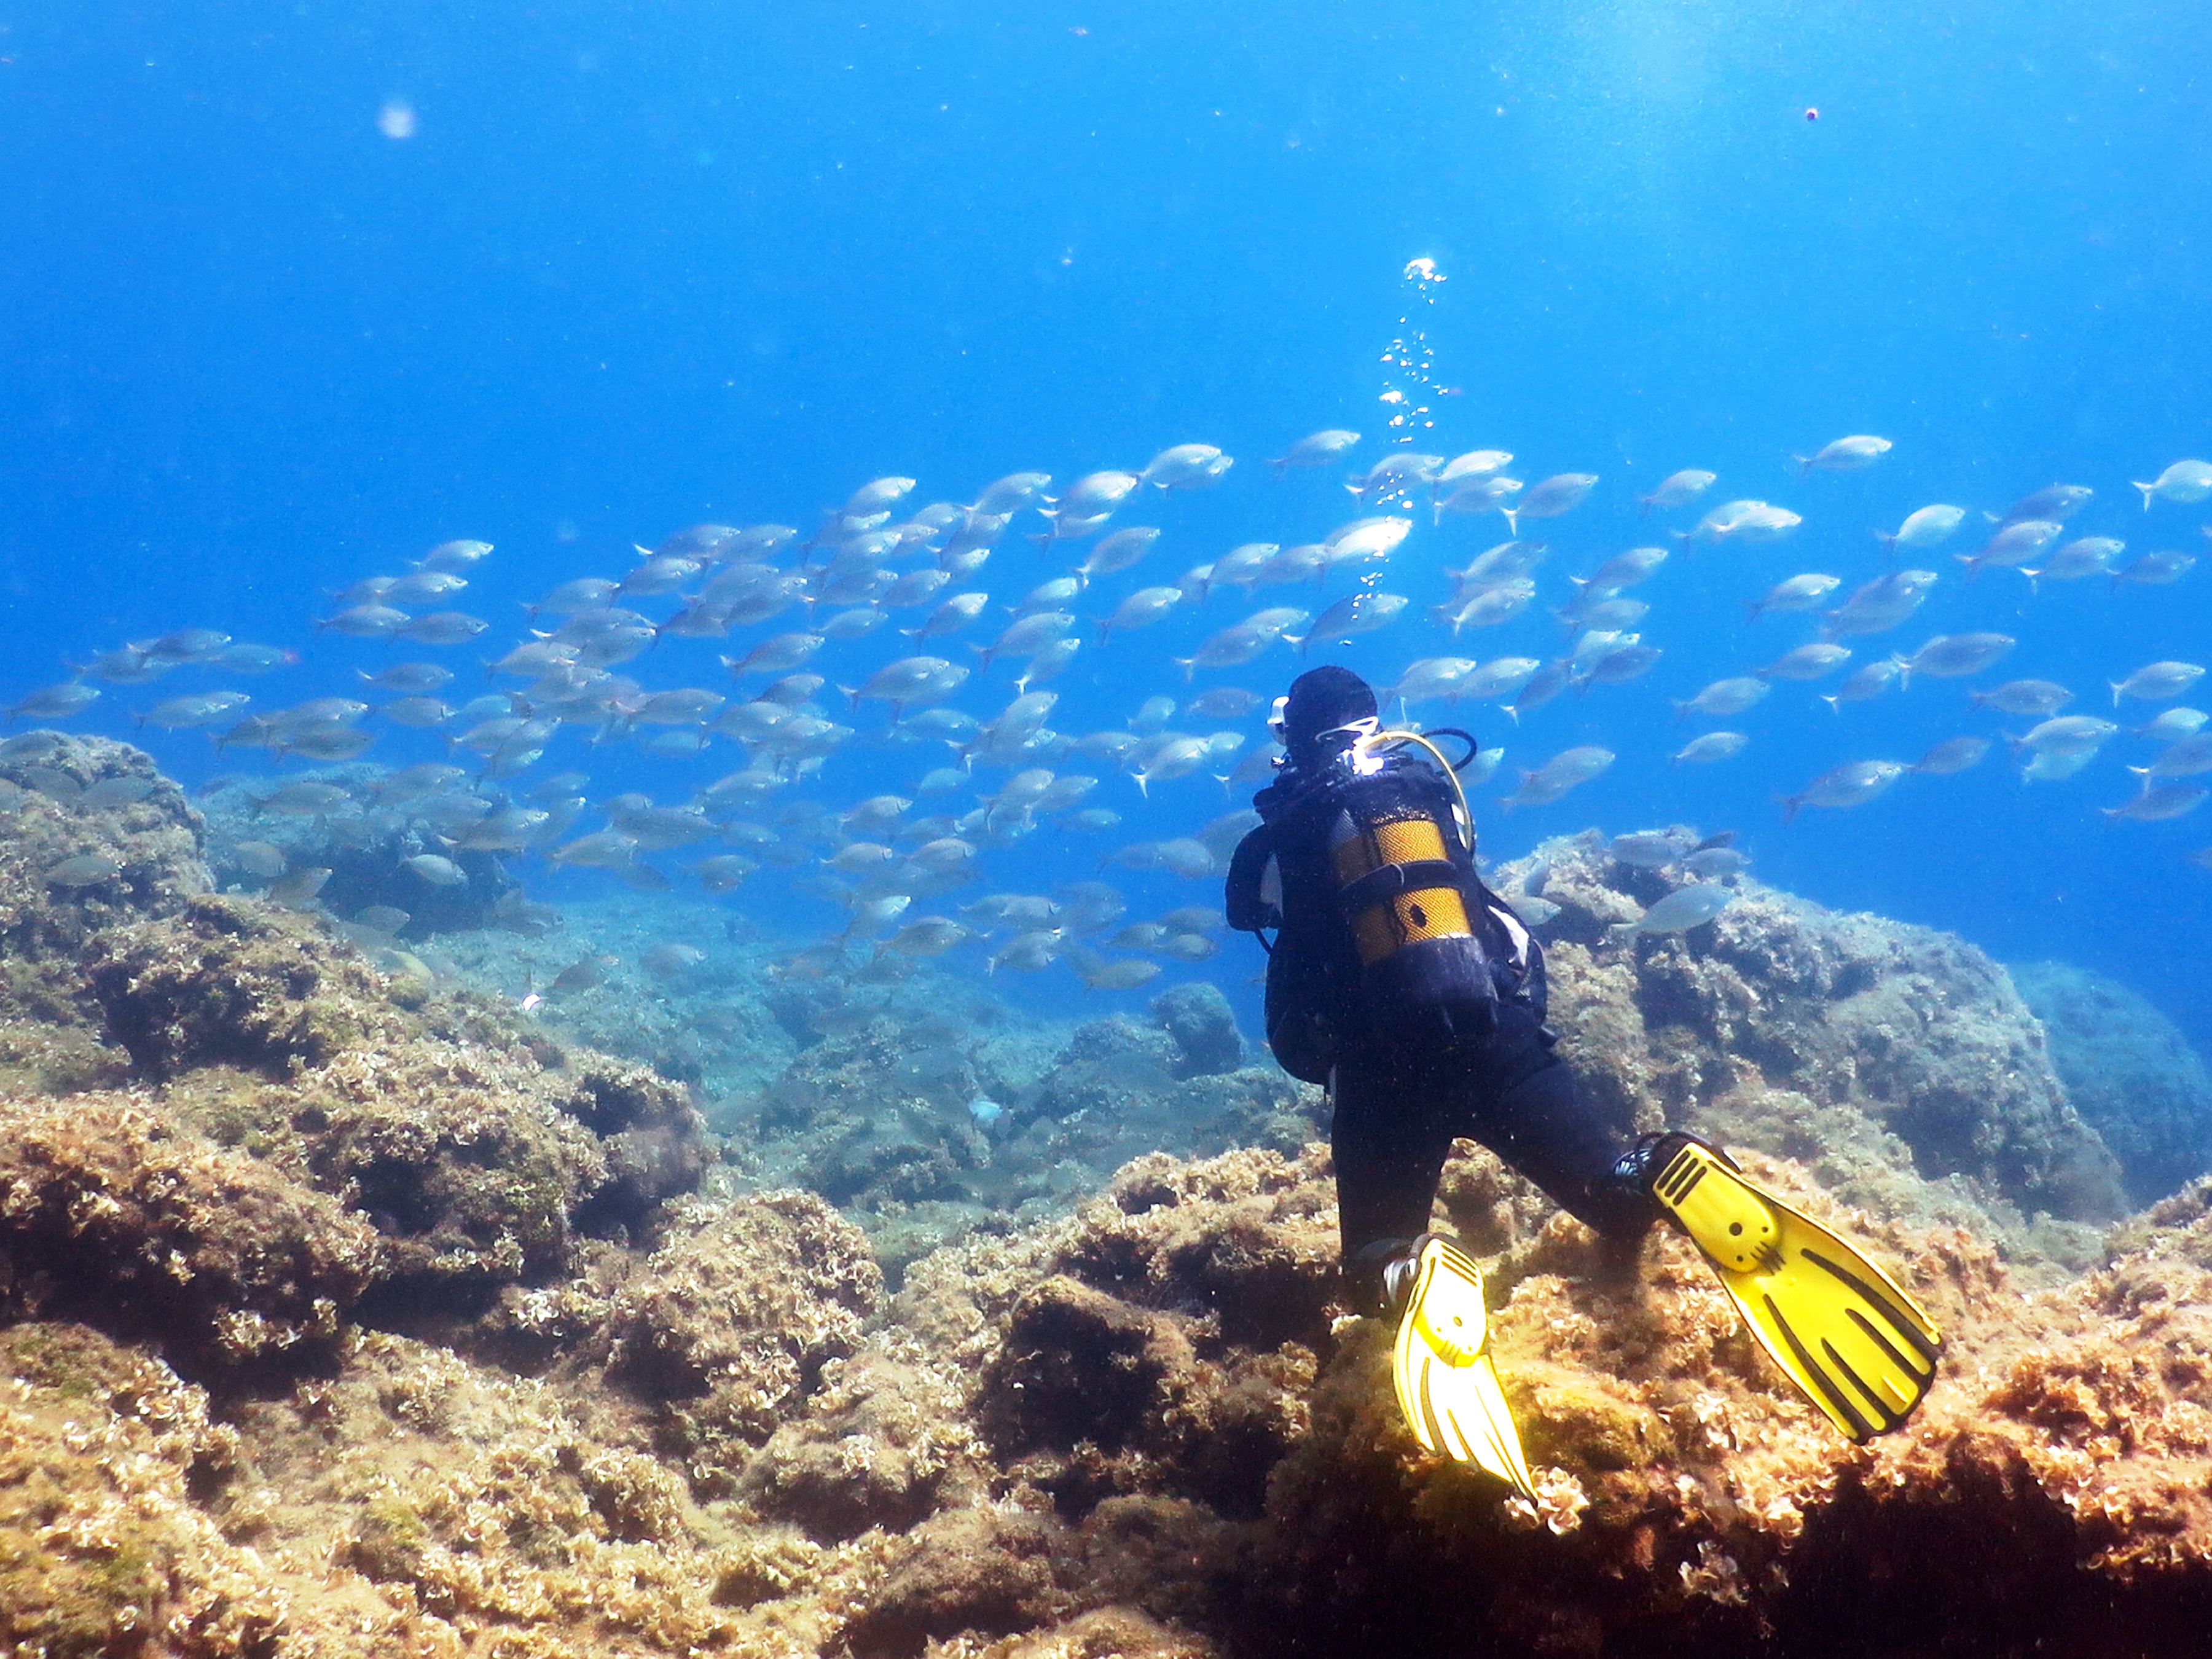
(880, 685)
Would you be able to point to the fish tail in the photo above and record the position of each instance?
(1804, 467)
(1681, 709)
(1904, 673)
(1888, 542)
(1643, 506)
(1834, 702)
(1512, 520)
(2115, 684)
(2033, 589)
(1790, 804)
(2148, 490)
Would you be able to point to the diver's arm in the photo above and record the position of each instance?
(1248, 912)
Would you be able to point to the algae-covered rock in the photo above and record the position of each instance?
(111, 1479)
(2130, 1072)
(110, 1214)
(987, 1571)
(727, 1327)
(73, 865)
(479, 1161)
(1916, 1028)
(1204, 1027)
(234, 981)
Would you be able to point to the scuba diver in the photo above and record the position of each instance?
(1415, 995)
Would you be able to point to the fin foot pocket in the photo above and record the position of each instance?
(1853, 1341)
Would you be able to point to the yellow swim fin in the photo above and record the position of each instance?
(1848, 1334)
(1447, 1386)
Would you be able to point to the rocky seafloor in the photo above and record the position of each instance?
(347, 1307)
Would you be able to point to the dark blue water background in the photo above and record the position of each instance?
(641, 266)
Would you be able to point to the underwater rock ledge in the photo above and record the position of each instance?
(342, 1314)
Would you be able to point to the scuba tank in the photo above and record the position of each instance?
(1402, 853)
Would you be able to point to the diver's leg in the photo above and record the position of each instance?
(1530, 1114)
(1390, 1149)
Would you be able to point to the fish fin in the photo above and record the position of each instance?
(1512, 520)
(1834, 702)
(1681, 709)
(2032, 588)
(1790, 804)
(1888, 542)
(2148, 490)
(2115, 684)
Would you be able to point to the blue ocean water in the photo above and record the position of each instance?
(296, 291)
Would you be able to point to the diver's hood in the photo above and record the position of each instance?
(1326, 710)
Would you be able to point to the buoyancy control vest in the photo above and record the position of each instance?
(1389, 938)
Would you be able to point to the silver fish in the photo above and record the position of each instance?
(1676, 489)
(2156, 682)
(1927, 527)
(1711, 747)
(2183, 481)
(2160, 802)
(1953, 755)
(2036, 697)
(1315, 449)
(1796, 593)
(1954, 656)
(1844, 455)
(1685, 908)
(1806, 662)
(1853, 784)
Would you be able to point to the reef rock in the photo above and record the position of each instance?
(471, 1153)
(472, 1382)
(92, 837)
(728, 1327)
(110, 1214)
(2130, 1072)
(1915, 1029)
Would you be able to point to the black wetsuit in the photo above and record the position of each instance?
(1405, 1081)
